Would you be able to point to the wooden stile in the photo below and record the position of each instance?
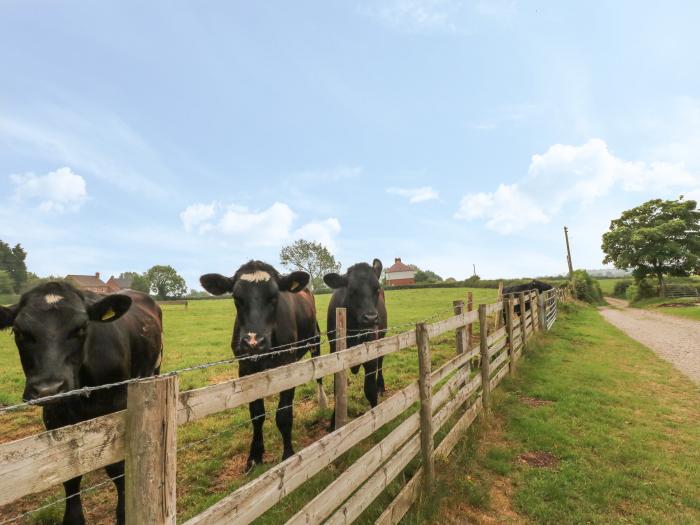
(485, 360)
(340, 379)
(151, 451)
(426, 410)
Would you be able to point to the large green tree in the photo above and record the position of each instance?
(311, 257)
(139, 281)
(165, 282)
(12, 260)
(660, 237)
(6, 284)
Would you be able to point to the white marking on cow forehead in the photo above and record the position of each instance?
(52, 298)
(256, 277)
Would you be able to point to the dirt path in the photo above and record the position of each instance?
(675, 339)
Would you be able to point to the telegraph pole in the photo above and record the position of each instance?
(568, 252)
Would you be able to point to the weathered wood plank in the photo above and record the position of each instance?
(38, 462)
(499, 361)
(426, 406)
(457, 431)
(447, 325)
(495, 336)
(151, 451)
(500, 345)
(500, 375)
(251, 500)
(340, 378)
(198, 403)
(494, 307)
(485, 361)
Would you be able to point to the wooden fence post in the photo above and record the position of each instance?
(426, 408)
(523, 333)
(535, 307)
(542, 311)
(485, 360)
(340, 379)
(460, 332)
(151, 451)
(508, 309)
(499, 298)
(470, 331)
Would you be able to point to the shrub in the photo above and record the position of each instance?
(643, 289)
(620, 289)
(585, 288)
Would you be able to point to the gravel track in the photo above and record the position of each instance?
(674, 339)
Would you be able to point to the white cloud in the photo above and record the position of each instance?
(268, 227)
(507, 210)
(416, 15)
(414, 195)
(321, 231)
(59, 191)
(568, 175)
(198, 215)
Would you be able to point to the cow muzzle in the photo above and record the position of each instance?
(37, 390)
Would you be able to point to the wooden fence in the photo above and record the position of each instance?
(145, 433)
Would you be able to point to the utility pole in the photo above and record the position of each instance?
(568, 253)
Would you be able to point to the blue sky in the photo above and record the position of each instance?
(445, 132)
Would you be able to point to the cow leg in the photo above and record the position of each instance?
(257, 446)
(284, 419)
(116, 472)
(380, 376)
(371, 382)
(73, 514)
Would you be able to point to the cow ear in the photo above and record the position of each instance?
(216, 284)
(7, 316)
(109, 308)
(294, 282)
(335, 280)
(377, 267)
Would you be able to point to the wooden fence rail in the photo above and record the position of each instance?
(144, 434)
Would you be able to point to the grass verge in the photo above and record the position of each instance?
(592, 428)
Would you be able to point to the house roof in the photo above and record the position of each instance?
(123, 283)
(86, 280)
(398, 266)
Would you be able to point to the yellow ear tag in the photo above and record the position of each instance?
(294, 286)
(108, 315)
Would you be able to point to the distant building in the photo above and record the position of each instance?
(116, 283)
(400, 273)
(91, 283)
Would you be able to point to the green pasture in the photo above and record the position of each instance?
(212, 464)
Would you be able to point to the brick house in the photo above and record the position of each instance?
(91, 283)
(400, 273)
(115, 284)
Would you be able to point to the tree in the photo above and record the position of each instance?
(427, 276)
(12, 260)
(312, 257)
(165, 282)
(659, 237)
(139, 281)
(6, 284)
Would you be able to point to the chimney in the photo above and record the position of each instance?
(397, 260)
(97, 274)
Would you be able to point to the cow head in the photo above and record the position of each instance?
(256, 288)
(363, 289)
(51, 324)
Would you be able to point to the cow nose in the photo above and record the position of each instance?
(370, 318)
(253, 340)
(39, 390)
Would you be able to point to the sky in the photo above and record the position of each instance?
(448, 133)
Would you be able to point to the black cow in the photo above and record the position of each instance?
(515, 290)
(69, 339)
(272, 311)
(360, 292)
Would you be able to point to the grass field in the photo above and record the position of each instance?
(614, 427)
(608, 285)
(687, 307)
(212, 468)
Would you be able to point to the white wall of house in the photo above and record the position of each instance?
(391, 276)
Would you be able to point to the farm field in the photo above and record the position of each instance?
(594, 428)
(608, 285)
(686, 307)
(214, 449)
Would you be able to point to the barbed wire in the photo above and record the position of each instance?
(61, 500)
(286, 348)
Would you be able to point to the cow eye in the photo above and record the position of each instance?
(78, 332)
